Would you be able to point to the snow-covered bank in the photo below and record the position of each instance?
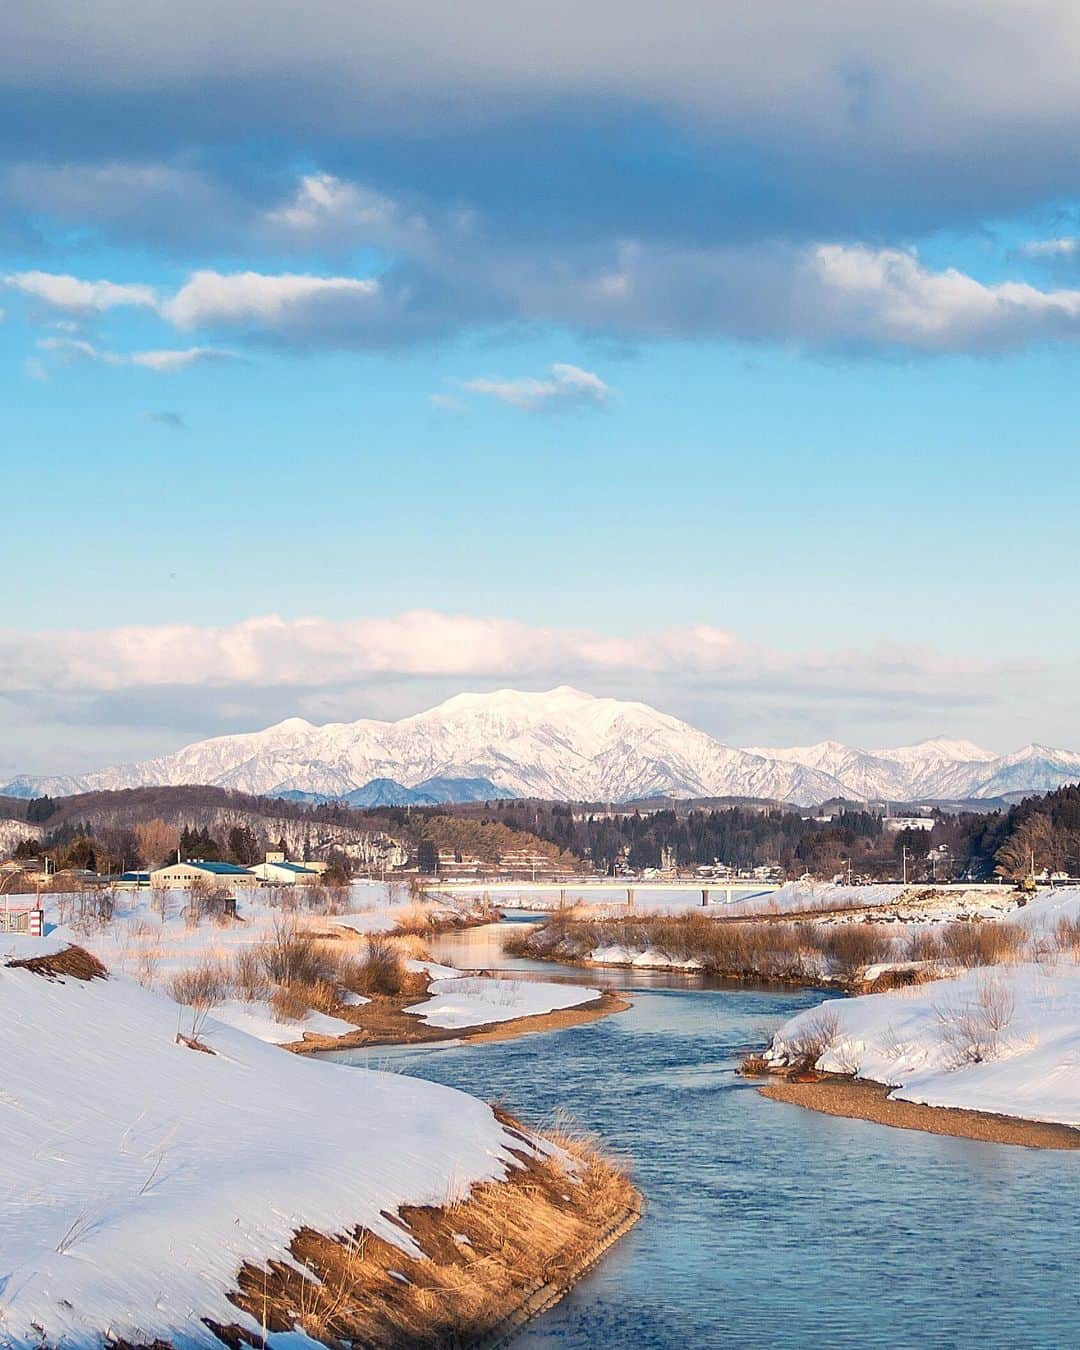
(1003, 1038)
(916, 903)
(648, 958)
(470, 1000)
(257, 1019)
(139, 1174)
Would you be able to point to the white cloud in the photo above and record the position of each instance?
(325, 207)
(166, 360)
(1065, 247)
(270, 652)
(77, 349)
(67, 292)
(565, 385)
(212, 298)
(887, 296)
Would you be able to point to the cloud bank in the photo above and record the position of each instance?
(827, 296)
(270, 651)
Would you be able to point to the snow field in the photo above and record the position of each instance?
(136, 1174)
(472, 1000)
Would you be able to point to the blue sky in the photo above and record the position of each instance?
(722, 364)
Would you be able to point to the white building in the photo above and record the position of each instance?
(275, 871)
(183, 875)
(894, 824)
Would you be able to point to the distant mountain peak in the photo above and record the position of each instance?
(566, 744)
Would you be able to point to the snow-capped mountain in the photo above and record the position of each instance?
(935, 769)
(562, 744)
(568, 745)
(1028, 770)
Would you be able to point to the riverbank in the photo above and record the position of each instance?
(384, 1022)
(476, 1270)
(362, 1206)
(830, 957)
(999, 1038)
(862, 1099)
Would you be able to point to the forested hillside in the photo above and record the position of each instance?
(141, 827)
(965, 845)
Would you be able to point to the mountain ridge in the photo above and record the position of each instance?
(566, 745)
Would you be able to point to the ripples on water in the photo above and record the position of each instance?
(768, 1225)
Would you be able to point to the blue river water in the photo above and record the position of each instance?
(769, 1225)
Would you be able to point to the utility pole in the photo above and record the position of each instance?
(903, 854)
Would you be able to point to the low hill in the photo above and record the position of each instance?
(371, 838)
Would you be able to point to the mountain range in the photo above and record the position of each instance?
(564, 745)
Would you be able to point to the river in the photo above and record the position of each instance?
(768, 1225)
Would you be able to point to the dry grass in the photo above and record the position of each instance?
(249, 975)
(483, 1255)
(72, 963)
(1067, 938)
(201, 986)
(379, 971)
(296, 971)
(850, 948)
(785, 952)
(806, 951)
(289, 1002)
(816, 1035)
(422, 920)
(982, 944)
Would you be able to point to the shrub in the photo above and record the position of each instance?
(200, 986)
(1067, 937)
(972, 1031)
(816, 1035)
(380, 970)
(323, 898)
(923, 944)
(291, 955)
(851, 947)
(981, 943)
(289, 1003)
(249, 975)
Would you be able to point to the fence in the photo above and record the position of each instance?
(22, 918)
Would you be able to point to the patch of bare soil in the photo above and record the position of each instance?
(862, 1099)
(489, 1262)
(73, 963)
(383, 1021)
